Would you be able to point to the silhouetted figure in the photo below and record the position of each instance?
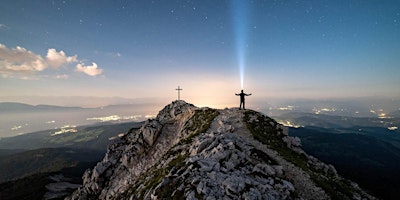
(242, 95)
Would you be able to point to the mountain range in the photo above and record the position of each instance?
(43, 158)
(190, 152)
(18, 118)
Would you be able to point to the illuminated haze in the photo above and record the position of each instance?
(145, 49)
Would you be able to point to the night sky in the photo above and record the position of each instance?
(145, 49)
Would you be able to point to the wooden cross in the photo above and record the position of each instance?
(179, 92)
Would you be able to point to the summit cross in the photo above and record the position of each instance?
(179, 92)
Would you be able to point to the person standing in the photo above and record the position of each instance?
(242, 95)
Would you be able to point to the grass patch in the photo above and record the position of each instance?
(260, 155)
(167, 191)
(199, 123)
(268, 134)
(264, 129)
(337, 189)
(153, 176)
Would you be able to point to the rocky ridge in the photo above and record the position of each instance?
(203, 153)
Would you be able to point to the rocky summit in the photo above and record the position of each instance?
(188, 152)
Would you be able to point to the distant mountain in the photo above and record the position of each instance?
(44, 160)
(368, 155)
(81, 101)
(17, 119)
(11, 106)
(48, 185)
(332, 121)
(89, 137)
(20, 107)
(31, 187)
(42, 152)
(23, 159)
(351, 107)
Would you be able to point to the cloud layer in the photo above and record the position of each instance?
(90, 70)
(22, 63)
(19, 61)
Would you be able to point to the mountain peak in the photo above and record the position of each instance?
(197, 153)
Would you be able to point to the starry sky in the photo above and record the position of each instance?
(145, 49)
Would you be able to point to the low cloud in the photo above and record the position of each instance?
(19, 61)
(90, 70)
(3, 27)
(22, 63)
(56, 59)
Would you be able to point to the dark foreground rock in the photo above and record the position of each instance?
(201, 153)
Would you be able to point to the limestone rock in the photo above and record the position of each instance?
(201, 153)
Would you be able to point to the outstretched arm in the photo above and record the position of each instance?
(236, 94)
(248, 94)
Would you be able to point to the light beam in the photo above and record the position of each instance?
(240, 9)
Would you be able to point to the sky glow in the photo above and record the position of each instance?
(145, 49)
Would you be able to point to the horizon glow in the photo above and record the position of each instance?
(240, 22)
(144, 49)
